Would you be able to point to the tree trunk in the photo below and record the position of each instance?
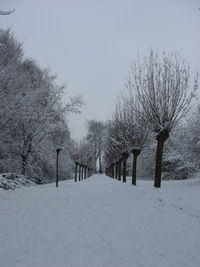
(136, 153)
(24, 159)
(76, 168)
(116, 170)
(125, 156)
(79, 174)
(100, 165)
(85, 175)
(82, 172)
(161, 138)
(120, 170)
(113, 171)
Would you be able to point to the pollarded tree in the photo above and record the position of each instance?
(116, 143)
(162, 87)
(135, 130)
(83, 154)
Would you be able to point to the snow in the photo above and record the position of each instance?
(101, 222)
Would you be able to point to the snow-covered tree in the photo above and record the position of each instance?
(10, 58)
(162, 87)
(32, 110)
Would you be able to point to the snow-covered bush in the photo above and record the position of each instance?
(179, 160)
(13, 180)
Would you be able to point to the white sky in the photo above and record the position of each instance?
(90, 43)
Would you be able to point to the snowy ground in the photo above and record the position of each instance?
(101, 222)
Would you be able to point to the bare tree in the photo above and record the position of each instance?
(112, 148)
(116, 146)
(134, 132)
(162, 87)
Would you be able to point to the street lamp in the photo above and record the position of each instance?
(6, 12)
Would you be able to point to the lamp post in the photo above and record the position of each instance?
(57, 156)
(6, 12)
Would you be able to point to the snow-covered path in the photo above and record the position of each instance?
(101, 222)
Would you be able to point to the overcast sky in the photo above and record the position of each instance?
(90, 43)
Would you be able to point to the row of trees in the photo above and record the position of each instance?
(83, 156)
(32, 114)
(82, 171)
(88, 152)
(158, 96)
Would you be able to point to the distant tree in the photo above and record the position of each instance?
(95, 137)
(162, 87)
(83, 154)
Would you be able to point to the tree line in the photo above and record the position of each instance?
(159, 96)
(158, 106)
(88, 151)
(32, 115)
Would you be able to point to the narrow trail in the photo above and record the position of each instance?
(101, 222)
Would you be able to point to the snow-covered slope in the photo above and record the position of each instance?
(101, 222)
